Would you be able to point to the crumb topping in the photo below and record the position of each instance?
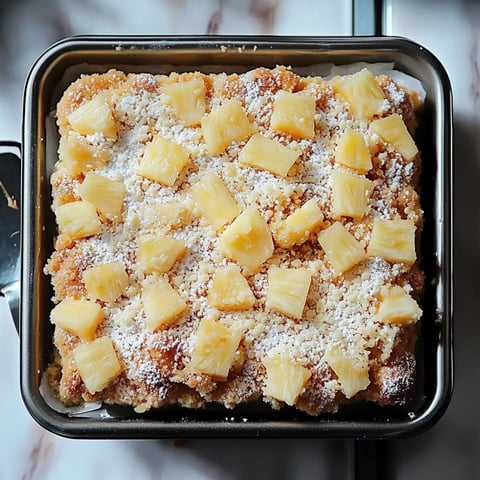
(339, 310)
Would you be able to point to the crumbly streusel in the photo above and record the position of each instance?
(340, 309)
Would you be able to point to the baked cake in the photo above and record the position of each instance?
(236, 237)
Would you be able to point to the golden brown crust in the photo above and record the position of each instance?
(339, 308)
(84, 89)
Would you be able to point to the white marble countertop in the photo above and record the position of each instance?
(451, 30)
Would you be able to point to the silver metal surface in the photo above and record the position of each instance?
(10, 226)
(365, 18)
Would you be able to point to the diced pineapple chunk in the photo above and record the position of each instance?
(78, 219)
(97, 363)
(352, 374)
(80, 317)
(170, 214)
(106, 194)
(163, 160)
(214, 349)
(392, 129)
(343, 251)
(78, 156)
(247, 240)
(299, 225)
(350, 195)
(94, 116)
(393, 240)
(230, 290)
(162, 304)
(352, 152)
(106, 282)
(362, 92)
(287, 290)
(398, 306)
(224, 125)
(215, 201)
(157, 254)
(286, 378)
(267, 154)
(188, 100)
(294, 113)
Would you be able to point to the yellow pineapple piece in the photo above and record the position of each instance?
(294, 113)
(163, 160)
(78, 219)
(106, 282)
(230, 290)
(299, 225)
(286, 379)
(352, 374)
(350, 195)
(353, 152)
(78, 156)
(393, 240)
(343, 251)
(287, 290)
(362, 92)
(267, 154)
(214, 349)
(97, 363)
(392, 129)
(170, 214)
(158, 254)
(215, 201)
(247, 240)
(80, 317)
(227, 123)
(94, 116)
(106, 194)
(188, 100)
(398, 307)
(162, 304)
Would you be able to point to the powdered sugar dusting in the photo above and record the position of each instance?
(339, 310)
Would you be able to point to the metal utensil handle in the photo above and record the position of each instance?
(11, 294)
(368, 455)
(10, 290)
(370, 459)
(367, 17)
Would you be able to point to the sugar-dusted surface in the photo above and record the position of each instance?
(339, 310)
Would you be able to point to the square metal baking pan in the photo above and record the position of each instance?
(64, 61)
